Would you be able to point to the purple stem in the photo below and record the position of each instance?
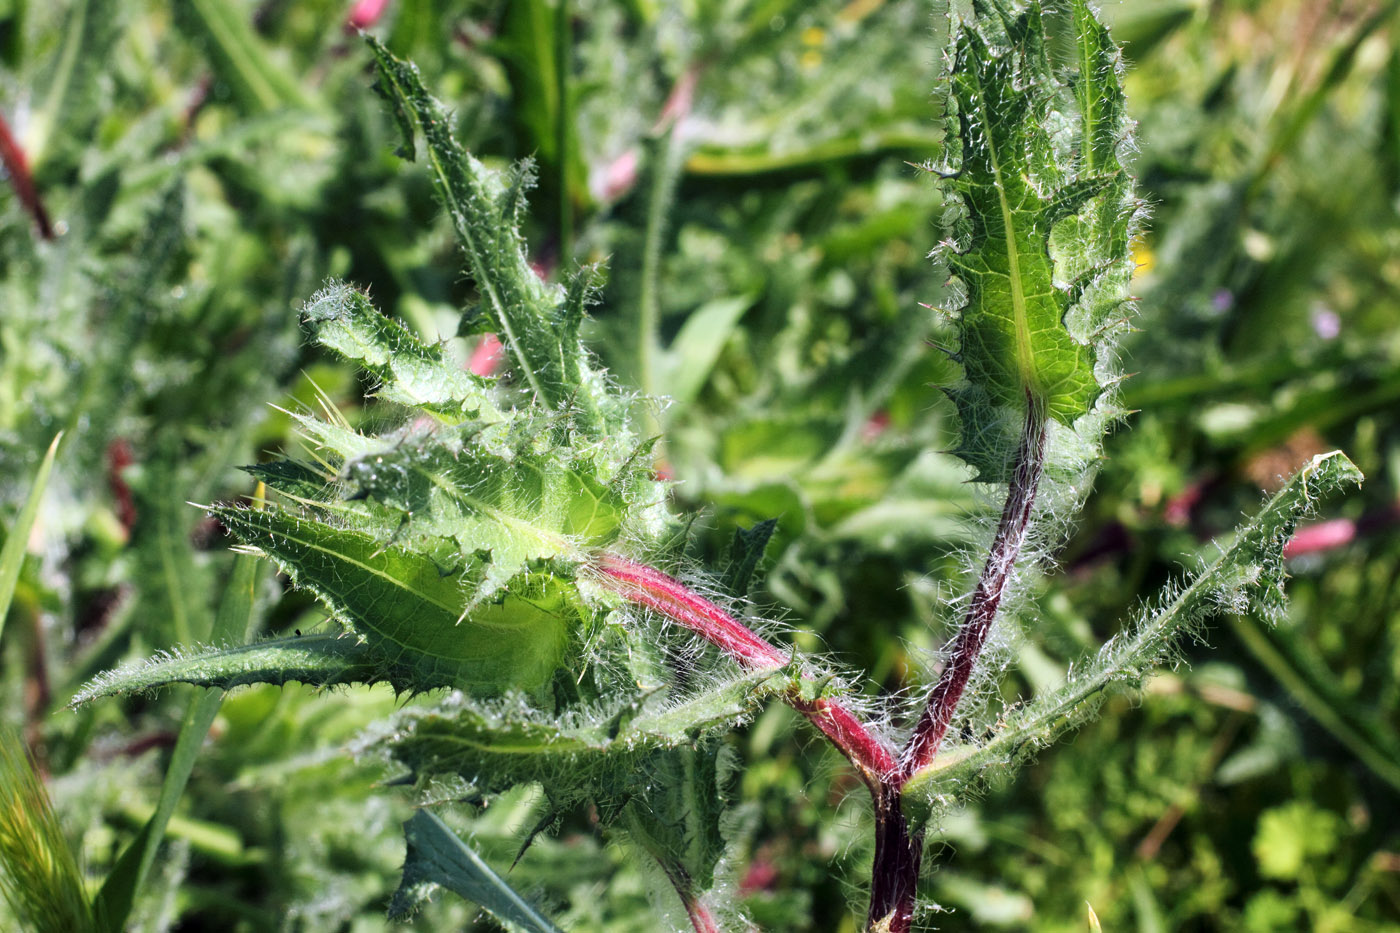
(1011, 535)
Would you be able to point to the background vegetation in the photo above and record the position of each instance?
(744, 167)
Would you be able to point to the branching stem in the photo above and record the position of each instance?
(898, 851)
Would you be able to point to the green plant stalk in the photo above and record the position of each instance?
(666, 154)
(242, 59)
(563, 128)
(1313, 698)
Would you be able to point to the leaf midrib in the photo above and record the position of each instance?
(483, 281)
(1025, 355)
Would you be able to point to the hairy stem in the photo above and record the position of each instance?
(895, 873)
(649, 587)
(1011, 535)
(700, 917)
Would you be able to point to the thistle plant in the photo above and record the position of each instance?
(509, 549)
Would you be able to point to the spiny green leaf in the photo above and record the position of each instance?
(437, 857)
(412, 373)
(318, 660)
(677, 818)
(537, 322)
(414, 613)
(589, 755)
(1247, 576)
(477, 500)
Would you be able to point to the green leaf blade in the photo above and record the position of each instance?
(1043, 213)
(316, 660)
(413, 613)
(119, 889)
(437, 857)
(12, 554)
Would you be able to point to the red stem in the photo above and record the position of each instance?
(649, 587)
(1010, 536)
(22, 179)
(700, 917)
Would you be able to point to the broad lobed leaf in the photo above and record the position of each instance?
(1040, 227)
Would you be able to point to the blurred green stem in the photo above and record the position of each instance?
(666, 164)
(563, 128)
(1320, 701)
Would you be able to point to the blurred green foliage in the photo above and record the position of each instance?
(743, 166)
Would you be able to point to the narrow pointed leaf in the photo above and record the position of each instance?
(232, 623)
(12, 555)
(437, 857)
(317, 660)
(524, 311)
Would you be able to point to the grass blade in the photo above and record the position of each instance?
(12, 555)
(118, 891)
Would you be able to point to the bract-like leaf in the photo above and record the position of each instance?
(437, 857)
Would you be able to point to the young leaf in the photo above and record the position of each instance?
(537, 322)
(1014, 184)
(413, 374)
(745, 552)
